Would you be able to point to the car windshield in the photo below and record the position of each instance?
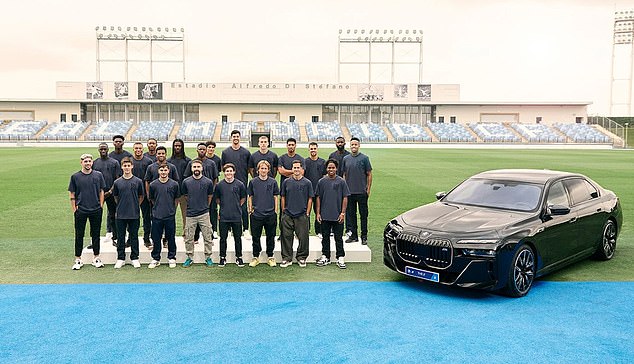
(509, 195)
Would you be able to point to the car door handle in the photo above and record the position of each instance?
(573, 220)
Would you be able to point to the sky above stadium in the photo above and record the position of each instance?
(520, 50)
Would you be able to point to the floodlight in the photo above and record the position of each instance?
(128, 29)
(96, 28)
(135, 29)
(348, 31)
(104, 28)
(150, 28)
(174, 30)
(340, 31)
(182, 30)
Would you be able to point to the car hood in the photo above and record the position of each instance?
(439, 216)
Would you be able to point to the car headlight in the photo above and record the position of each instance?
(487, 253)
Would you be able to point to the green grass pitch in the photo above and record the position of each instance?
(36, 226)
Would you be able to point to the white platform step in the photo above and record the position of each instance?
(355, 252)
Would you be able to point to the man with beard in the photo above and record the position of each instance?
(297, 193)
(213, 208)
(111, 170)
(314, 170)
(339, 153)
(230, 195)
(198, 190)
(140, 165)
(209, 170)
(357, 171)
(180, 161)
(238, 156)
(151, 149)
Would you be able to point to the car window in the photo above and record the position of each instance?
(557, 195)
(511, 195)
(580, 190)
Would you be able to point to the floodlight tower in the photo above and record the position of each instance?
(374, 48)
(139, 51)
(622, 63)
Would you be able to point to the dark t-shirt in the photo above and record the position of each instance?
(181, 165)
(314, 170)
(339, 158)
(163, 196)
(151, 173)
(240, 158)
(296, 194)
(356, 169)
(216, 160)
(331, 192)
(110, 169)
(119, 156)
(269, 156)
(209, 169)
(140, 167)
(286, 161)
(152, 157)
(87, 188)
(263, 192)
(197, 192)
(127, 192)
(230, 195)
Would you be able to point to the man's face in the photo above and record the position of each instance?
(118, 143)
(340, 143)
(331, 170)
(263, 143)
(164, 171)
(235, 139)
(197, 169)
(151, 145)
(312, 150)
(103, 151)
(160, 155)
(229, 173)
(354, 147)
(138, 150)
(127, 168)
(290, 147)
(86, 164)
(263, 171)
(297, 169)
(211, 150)
(202, 151)
(178, 147)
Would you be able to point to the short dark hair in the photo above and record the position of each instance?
(211, 142)
(340, 137)
(160, 147)
(126, 160)
(235, 131)
(333, 161)
(118, 136)
(297, 161)
(228, 165)
(201, 143)
(291, 140)
(163, 166)
(197, 160)
(355, 138)
(313, 143)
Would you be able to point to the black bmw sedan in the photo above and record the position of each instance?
(500, 229)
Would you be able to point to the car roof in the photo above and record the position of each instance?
(541, 176)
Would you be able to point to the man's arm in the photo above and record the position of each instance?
(369, 182)
(73, 204)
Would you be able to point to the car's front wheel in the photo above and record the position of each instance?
(521, 272)
(605, 251)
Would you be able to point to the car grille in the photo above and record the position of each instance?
(435, 253)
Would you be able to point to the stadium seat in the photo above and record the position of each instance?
(159, 130)
(63, 131)
(367, 132)
(197, 130)
(107, 129)
(451, 133)
(582, 133)
(408, 132)
(21, 130)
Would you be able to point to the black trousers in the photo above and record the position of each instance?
(110, 219)
(360, 200)
(132, 226)
(146, 212)
(236, 227)
(80, 229)
(337, 229)
(316, 223)
(269, 224)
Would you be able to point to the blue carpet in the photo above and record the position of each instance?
(315, 322)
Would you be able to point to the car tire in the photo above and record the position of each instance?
(607, 246)
(521, 273)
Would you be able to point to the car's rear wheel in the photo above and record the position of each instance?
(521, 272)
(606, 249)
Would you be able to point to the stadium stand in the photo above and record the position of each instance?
(494, 133)
(538, 133)
(323, 131)
(280, 131)
(153, 129)
(63, 131)
(582, 133)
(21, 130)
(105, 130)
(408, 132)
(244, 128)
(451, 132)
(194, 130)
(367, 132)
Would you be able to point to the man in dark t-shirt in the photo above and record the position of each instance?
(285, 166)
(128, 193)
(263, 153)
(213, 208)
(86, 190)
(164, 193)
(314, 170)
(151, 149)
(297, 193)
(140, 164)
(230, 195)
(180, 161)
(332, 200)
(119, 153)
(111, 170)
(357, 171)
(238, 156)
(263, 202)
(339, 153)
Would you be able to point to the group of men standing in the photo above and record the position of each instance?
(151, 186)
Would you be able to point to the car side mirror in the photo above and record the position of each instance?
(558, 210)
(440, 195)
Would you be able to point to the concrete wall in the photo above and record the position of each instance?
(43, 110)
(235, 112)
(525, 113)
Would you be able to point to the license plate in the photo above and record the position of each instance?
(422, 274)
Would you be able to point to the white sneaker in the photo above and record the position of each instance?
(302, 263)
(172, 263)
(153, 264)
(348, 233)
(78, 264)
(215, 235)
(97, 263)
(119, 264)
(341, 263)
(285, 264)
(319, 236)
(136, 263)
